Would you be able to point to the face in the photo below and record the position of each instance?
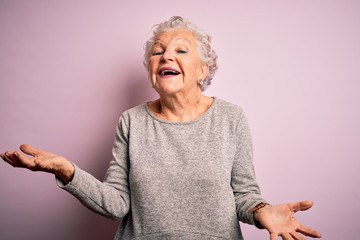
(174, 64)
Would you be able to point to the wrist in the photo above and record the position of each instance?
(258, 208)
(256, 211)
(66, 171)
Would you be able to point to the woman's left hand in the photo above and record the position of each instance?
(279, 221)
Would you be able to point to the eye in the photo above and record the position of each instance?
(182, 51)
(157, 53)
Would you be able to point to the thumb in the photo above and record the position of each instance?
(301, 206)
(29, 150)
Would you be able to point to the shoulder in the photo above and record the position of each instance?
(135, 111)
(228, 109)
(133, 114)
(233, 117)
(230, 114)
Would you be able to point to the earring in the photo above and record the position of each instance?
(201, 82)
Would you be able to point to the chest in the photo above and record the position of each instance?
(174, 156)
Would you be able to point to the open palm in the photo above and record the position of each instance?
(39, 161)
(279, 221)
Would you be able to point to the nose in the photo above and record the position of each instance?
(167, 56)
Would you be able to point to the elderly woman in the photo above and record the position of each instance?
(182, 164)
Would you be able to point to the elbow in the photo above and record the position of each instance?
(119, 209)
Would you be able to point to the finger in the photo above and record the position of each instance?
(3, 155)
(296, 236)
(301, 206)
(23, 161)
(29, 150)
(308, 231)
(286, 236)
(7, 157)
(11, 156)
(273, 236)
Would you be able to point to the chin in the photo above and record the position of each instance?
(168, 90)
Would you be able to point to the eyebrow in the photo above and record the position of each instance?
(158, 42)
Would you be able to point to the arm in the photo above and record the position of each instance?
(243, 180)
(279, 219)
(109, 198)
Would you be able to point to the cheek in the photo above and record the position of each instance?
(152, 78)
(150, 66)
(194, 68)
(152, 69)
(152, 74)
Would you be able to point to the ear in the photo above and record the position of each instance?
(204, 71)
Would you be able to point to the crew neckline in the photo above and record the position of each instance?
(181, 123)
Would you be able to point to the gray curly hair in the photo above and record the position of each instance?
(206, 53)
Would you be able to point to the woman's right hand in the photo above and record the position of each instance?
(40, 161)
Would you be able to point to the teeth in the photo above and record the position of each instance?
(169, 72)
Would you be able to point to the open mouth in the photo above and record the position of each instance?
(168, 72)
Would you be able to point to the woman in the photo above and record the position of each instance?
(182, 165)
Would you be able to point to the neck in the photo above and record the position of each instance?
(180, 109)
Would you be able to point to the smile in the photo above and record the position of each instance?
(168, 72)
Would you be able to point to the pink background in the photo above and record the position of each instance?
(69, 68)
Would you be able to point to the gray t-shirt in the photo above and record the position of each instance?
(176, 180)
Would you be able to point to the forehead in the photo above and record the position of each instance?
(175, 36)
